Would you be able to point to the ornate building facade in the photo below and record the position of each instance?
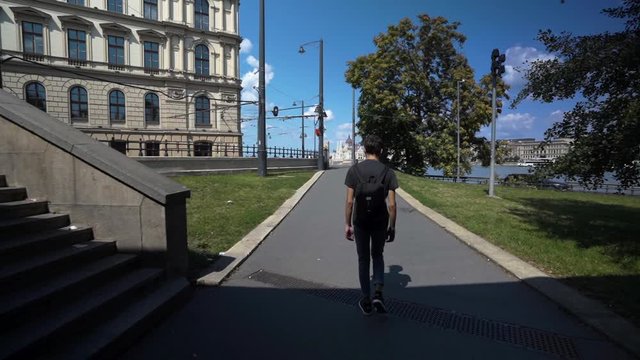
(147, 77)
(531, 150)
(342, 152)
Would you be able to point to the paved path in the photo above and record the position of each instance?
(294, 298)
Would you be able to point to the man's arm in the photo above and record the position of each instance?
(348, 210)
(392, 209)
(391, 230)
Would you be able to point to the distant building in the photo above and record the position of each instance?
(529, 149)
(147, 77)
(342, 151)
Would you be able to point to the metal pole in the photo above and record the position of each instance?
(458, 137)
(353, 126)
(262, 141)
(302, 113)
(321, 112)
(493, 137)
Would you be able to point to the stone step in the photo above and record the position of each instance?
(3, 181)
(29, 244)
(26, 271)
(9, 193)
(118, 333)
(22, 208)
(35, 299)
(37, 337)
(32, 224)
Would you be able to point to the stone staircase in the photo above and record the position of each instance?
(65, 295)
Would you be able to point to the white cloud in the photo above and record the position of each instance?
(514, 125)
(557, 115)
(511, 126)
(345, 126)
(343, 131)
(251, 79)
(518, 60)
(246, 46)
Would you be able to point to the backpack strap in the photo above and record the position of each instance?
(383, 174)
(358, 175)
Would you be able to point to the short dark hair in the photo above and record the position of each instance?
(373, 145)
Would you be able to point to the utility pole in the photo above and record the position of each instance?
(353, 126)
(262, 146)
(497, 69)
(302, 114)
(321, 112)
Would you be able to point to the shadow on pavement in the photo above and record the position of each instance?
(277, 316)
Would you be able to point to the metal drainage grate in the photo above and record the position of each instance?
(527, 337)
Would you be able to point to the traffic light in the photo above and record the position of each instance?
(275, 111)
(497, 63)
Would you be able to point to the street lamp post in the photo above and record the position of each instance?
(458, 135)
(353, 126)
(321, 105)
(262, 140)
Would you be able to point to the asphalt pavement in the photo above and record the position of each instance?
(295, 297)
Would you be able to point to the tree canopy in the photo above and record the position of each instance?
(408, 90)
(603, 69)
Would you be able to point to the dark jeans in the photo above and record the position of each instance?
(370, 243)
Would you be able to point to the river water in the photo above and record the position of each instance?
(481, 171)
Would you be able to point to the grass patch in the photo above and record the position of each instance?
(224, 208)
(589, 241)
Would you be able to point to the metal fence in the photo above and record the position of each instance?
(572, 185)
(166, 148)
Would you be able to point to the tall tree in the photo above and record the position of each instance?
(605, 125)
(408, 95)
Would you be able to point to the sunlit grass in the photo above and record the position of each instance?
(590, 241)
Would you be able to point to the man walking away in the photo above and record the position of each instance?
(369, 184)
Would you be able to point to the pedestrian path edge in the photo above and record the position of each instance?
(217, 272)
(591, 312)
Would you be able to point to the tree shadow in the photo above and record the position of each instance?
(615, 228)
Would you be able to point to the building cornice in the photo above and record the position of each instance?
(75, 20)
(105, 75)
(158, 25)
(27, 11)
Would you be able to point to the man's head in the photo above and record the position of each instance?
(372, 145)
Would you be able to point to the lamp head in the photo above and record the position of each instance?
(301, 50)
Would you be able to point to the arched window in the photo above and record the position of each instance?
(201, 148)
(78, 103)
(202, 14)
(116, 106)
(151, 109)
(203, 113)
(202, 60)
(36, 95)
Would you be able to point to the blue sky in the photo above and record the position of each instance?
(348, 27)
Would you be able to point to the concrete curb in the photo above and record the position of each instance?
(243, 248)
(591, 312)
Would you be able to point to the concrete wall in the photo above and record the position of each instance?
(172, 166)
(121, 199)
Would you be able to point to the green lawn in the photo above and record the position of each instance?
(224, 208)
(589, 241)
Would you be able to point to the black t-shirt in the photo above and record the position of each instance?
(366, 169)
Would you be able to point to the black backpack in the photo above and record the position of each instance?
(370, 195)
